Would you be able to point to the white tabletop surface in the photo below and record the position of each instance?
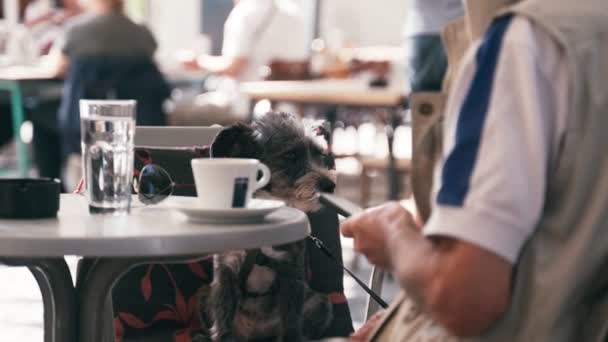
(146, 232)
(338, 92)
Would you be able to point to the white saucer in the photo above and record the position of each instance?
(254, 213)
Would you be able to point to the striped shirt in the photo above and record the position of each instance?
(502, 130)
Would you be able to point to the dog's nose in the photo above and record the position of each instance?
(326, 185)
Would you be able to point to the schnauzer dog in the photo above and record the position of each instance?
(262, 294)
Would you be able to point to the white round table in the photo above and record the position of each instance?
(117, 244)
(151, 231)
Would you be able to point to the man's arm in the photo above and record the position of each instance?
(463, 287)
(57, 62)
(222, 65)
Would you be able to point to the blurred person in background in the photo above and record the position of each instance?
(48, 24)
(426, 58)
(44, 23)
(106, 32)
(105, 55)
(257, 34)
(46, 20)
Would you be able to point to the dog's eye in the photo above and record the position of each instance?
(289, 156)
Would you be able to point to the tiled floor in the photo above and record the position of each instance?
(21, 305)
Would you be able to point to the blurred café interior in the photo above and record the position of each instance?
(337, 50)
(339, 63)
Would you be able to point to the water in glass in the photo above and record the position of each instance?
(107, 145)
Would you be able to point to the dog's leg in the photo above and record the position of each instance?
(204, 335)
(225, 295)
(317, 314)
(291, 307)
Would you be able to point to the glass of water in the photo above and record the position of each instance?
(107, 129)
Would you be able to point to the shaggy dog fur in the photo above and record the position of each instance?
(262, 294)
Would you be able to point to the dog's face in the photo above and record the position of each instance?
(300, 167)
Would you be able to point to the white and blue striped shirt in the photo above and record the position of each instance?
(504, 121)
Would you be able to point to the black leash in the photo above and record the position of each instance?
(328, 253)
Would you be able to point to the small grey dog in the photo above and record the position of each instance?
(262, 294)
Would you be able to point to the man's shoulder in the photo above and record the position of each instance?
(522, 31)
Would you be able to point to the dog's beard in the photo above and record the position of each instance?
(302, 195)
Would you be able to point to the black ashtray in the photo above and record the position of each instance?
(29, 198)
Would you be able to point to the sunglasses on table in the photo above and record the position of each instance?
(152, 185)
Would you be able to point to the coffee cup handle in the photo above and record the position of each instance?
(265, 176)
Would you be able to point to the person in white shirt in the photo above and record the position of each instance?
(256, 33)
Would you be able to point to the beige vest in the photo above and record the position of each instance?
(560, 286)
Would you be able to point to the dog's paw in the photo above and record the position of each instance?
(318, 313)
(200, 336)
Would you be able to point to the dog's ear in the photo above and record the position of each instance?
(236, 141)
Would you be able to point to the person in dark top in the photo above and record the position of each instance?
(426, 58)
(105, 49)
(106, 32)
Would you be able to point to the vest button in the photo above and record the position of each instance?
(426, 109)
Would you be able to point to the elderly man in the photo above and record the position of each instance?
(514, 248)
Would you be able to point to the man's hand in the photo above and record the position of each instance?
(364, 333)
(465, 288)
(371, 228)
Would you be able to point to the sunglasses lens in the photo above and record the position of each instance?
(154, 184)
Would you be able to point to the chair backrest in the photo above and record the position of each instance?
(173, 149)
(175, 136)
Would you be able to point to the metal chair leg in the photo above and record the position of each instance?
(393, 175)
(376, 281)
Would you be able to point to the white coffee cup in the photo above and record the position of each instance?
(224, 183)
